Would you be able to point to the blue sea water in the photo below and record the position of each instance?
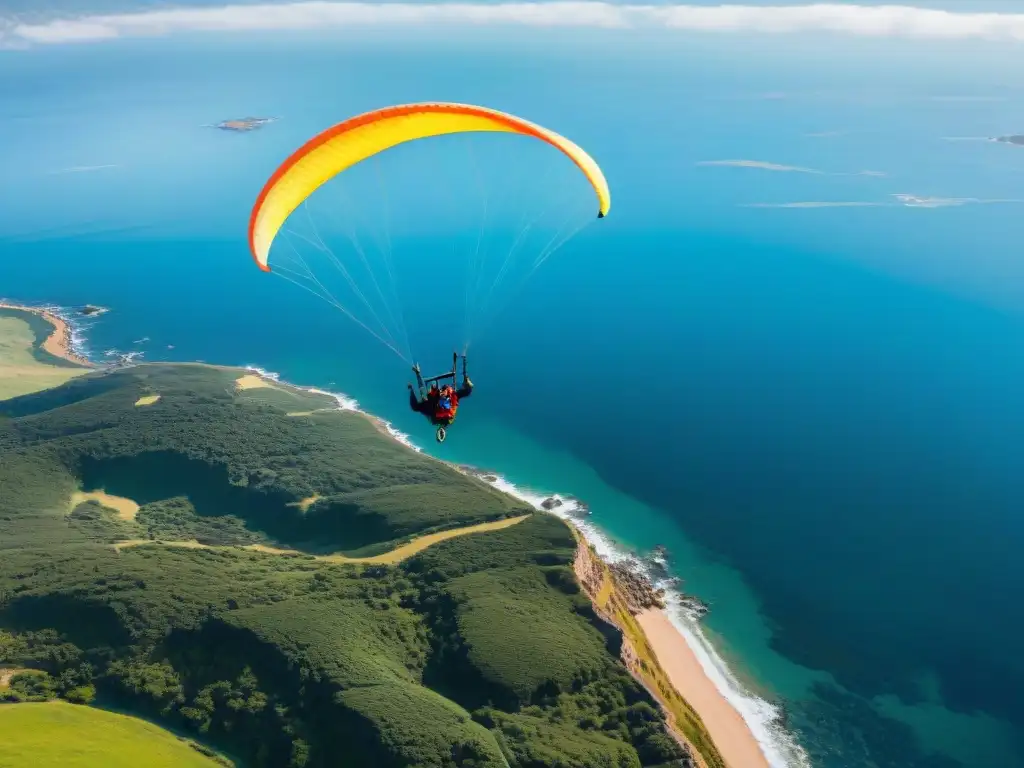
(816, 410)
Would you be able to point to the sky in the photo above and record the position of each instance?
(25, 23)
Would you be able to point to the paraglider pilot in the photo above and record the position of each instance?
(440, 402)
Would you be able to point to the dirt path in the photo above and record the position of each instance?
(393, 557)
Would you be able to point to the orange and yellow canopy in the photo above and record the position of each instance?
(345, 144)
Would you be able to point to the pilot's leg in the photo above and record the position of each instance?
(419, 382)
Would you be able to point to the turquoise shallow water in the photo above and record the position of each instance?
(816, 411)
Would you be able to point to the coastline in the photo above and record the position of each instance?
(683, 683)
(728, 730)
(61, 342)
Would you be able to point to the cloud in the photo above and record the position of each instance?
(763, 166)
(913, 201)
(968, 99)
(760, 165)
(815, 204)
(83, 168)
(902, 201)
(816, 18)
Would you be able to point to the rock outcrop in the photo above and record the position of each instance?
(636, 588)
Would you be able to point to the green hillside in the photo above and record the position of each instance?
(61, 735)
(478, 650)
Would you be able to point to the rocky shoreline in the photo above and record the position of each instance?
(602, 583)
(636, 588)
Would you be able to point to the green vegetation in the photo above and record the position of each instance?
(477, 651)
(59, 735)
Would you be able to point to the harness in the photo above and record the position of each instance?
(446, 408)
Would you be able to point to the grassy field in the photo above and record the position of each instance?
(71, 736)
(21, 371)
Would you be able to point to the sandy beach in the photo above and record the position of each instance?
(57, 343)
(730, 733)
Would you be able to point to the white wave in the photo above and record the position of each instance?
(123, 358)
(569, 510)
(401, 437)
(263, 373)
(345, 403)
(780, 748)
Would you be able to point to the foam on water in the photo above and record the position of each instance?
(124, 358)
(764, 719)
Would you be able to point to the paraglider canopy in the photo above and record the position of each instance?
(354, 140)
(335, 259)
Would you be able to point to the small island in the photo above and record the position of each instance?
(1017, 138)
(244, 124)
(92, 310)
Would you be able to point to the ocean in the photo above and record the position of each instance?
(816, 410)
